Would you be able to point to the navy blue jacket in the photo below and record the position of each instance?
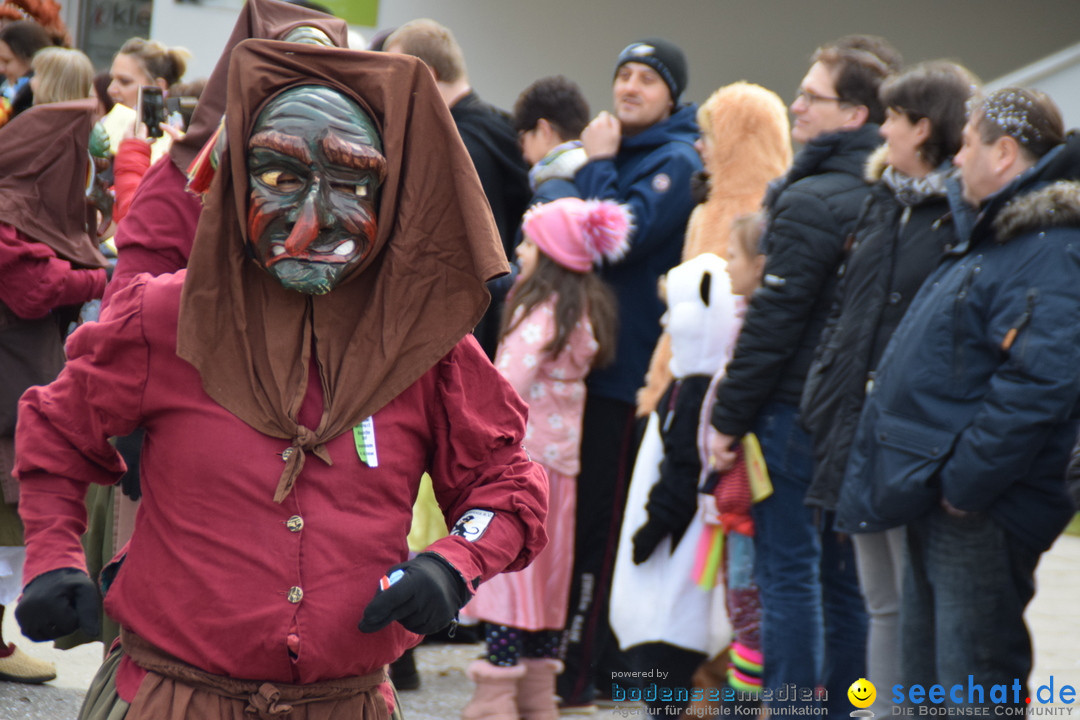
(651, 173)
(977, 398)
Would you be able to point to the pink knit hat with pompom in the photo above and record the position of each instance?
(579, 233)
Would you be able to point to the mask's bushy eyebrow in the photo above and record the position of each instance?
(287, 144)
(354, 155)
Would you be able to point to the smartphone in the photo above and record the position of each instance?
(150, 109)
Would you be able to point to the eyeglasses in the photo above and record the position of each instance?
(812, 98)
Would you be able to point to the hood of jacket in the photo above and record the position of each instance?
(681, 126)
(751, 139)
(836, 152)
(1052, 206)
(876, 164)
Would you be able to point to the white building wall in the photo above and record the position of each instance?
(1058, 76)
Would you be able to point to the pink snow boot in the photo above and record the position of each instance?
(495, 696)
(536, 691)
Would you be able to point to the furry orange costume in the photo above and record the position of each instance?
(751, 146)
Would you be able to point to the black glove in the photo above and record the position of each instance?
(647, 537)
(57, 603)
(424, 600)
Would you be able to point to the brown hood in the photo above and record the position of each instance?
(268, 19)
(418, 293)
(43, 178)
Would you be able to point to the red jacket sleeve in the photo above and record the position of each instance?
(131, 163)
(34, 281)
(64, 428)
(156, 235)
(480, 464)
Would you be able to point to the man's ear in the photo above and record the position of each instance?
(1006, 153)
(859, 115)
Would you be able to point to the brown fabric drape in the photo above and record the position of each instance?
(43, 174)
(175, 689)
(420, 290)
(268, 19)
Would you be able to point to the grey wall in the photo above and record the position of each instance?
(509, 43)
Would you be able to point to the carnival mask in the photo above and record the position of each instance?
(315, 165)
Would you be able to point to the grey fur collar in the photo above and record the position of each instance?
(1052, 206)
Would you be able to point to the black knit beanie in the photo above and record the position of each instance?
(664, 57)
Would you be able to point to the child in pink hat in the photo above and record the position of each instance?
(559, 323)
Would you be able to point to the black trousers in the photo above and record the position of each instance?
(608, 447)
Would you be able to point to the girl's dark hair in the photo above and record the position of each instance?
(101, 87)
(578, 294)
(939, 91)
(556, 99)
(25, 37)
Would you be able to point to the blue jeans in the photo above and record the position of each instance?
(813, 615)
(967, 584)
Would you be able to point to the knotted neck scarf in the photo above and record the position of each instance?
(418, 292)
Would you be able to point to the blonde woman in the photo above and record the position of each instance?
(61, 74)
(139, 63)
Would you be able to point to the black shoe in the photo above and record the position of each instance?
(403, 672)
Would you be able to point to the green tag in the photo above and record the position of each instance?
(364, 438)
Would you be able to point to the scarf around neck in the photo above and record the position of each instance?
(911, 191)
(562, 162)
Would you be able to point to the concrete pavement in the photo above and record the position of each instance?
(1053, 616)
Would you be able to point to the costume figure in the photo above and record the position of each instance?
(298, 344)
(659, 614)
(49, 266)
(157, 233)
(561, 324)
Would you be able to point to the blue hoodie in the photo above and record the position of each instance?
(651, 173)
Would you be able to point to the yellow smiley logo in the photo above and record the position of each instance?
(862, 693)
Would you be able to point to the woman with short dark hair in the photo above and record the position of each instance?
(911, 218)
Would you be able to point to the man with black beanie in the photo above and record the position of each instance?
(642, 155)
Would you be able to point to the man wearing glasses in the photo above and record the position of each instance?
(814, 621)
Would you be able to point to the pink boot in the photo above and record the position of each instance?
(536, 691)
(495, 697)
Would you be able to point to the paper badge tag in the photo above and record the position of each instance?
(473, 524)
(364, 437)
